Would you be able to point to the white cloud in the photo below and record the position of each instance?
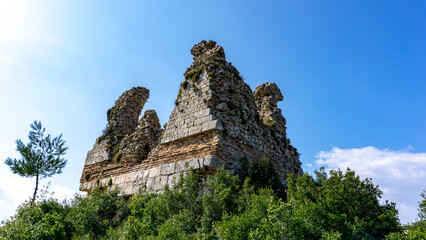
(401, 175)
(309, 164)
(14, 190)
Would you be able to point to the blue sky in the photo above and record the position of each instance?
(352, 75)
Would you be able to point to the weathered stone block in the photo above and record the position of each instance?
(222, 107)
(181, 166)
(215, 124)
(204, 112)
(97, 154)
(194, 163)
(150, 183)
(127, 189)
(168, 169)
(194, 130)
(173, 179)
(212, 161)
(140, 175)
(154, 172)
(160, 183)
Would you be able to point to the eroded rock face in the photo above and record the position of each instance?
(217, 121)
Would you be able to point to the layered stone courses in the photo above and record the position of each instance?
(154, 179)
(217, 121)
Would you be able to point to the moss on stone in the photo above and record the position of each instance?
(106, 133)
(117, 157)
(110, 111)
(220, 62)
(178, 96)
(185, 84)
(195, 74)
(108, 146)
(116, 148)
(270, 123)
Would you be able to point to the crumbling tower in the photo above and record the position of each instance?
(217, 121)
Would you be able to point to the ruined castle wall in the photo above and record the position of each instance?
(216, 122)
(191, 133)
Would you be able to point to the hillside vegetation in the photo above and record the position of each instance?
(249, 205)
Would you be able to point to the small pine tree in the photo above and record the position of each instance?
(41, 157)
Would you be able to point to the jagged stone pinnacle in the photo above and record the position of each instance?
(207, 50)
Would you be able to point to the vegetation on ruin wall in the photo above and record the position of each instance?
(339, 205)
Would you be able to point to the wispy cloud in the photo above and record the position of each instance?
(401, 175)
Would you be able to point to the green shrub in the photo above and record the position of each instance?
(262, 175)
(342, 202)
(92, 215)
(43, 220)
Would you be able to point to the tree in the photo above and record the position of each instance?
(41, 157)
(342, 202)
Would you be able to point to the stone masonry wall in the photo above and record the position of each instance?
(217, 121)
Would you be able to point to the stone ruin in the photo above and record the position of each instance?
(217, 121)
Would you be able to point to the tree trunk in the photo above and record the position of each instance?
(35, 191)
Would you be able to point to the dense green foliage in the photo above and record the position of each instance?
(342, 203)
(338, 206)
(43, 220)
(262, 174)
(41, 157)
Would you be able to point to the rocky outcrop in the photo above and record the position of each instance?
(217, 121)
